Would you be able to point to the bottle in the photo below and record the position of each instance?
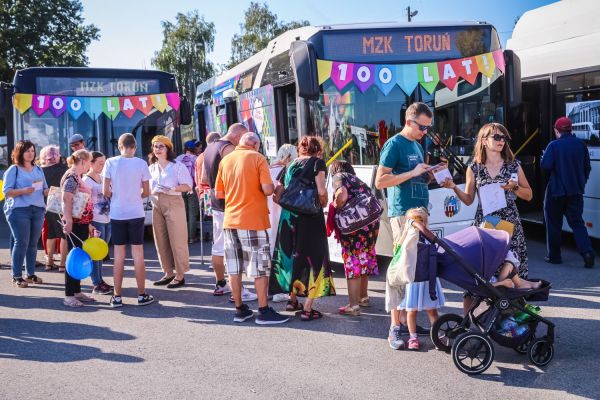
(521, 330)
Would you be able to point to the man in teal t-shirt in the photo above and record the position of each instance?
(402, 169)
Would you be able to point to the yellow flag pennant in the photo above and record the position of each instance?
(159, 101)
(323, 70)
(486, 64)
(22, 101)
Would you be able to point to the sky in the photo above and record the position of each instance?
(130, 30)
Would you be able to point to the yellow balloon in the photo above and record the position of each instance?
(96, 248)
(1, 193)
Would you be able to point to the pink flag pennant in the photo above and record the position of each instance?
(173, 100)
(499, 59)
(341, 74)
(40, 103)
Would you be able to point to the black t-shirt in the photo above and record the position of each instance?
(54, 173)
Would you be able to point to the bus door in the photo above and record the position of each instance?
(286, 114)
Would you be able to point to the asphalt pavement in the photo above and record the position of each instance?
(186, 346)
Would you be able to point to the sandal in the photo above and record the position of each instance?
(310, 315)
(71, 301)
(350, 310)
(49, 267)
(83, 297)
(294, 306)
(365, 302)
(61, 268)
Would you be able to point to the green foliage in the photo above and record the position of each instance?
(186, 44)
(42, 33)
(259, 27)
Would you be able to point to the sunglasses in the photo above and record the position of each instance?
(422, 128)
(159, 146)
(499, 138)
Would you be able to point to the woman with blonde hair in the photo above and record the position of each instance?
(495, 163)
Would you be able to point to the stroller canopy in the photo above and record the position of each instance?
(484, 250)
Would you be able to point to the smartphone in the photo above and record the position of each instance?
(431, 168)
(514, 177)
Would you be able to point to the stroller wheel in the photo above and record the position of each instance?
(524, 348)
(445, 330)
(472, 353)
(540, 352)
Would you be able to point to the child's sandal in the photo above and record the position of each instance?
(310, 315)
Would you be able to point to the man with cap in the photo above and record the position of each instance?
(192, 204)
(76, 142)
(566, 160)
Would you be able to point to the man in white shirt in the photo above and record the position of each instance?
(126, 181)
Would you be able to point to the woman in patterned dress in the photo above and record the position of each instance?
(494, 162)
(300, 261)
(358, 248)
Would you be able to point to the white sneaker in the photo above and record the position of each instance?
(280, 297)
(246, 296)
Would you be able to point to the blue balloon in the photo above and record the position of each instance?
(79, 264)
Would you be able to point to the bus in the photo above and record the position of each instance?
(560, 76)
(47, 105)
(351, 85)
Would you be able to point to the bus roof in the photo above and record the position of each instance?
(282, 43)
(562, 36)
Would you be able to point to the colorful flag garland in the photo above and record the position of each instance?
(408, 76)
(94, 106)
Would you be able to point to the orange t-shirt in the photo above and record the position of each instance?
(240, 175)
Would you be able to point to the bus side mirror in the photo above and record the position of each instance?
(512, 79)
(185, 111)
(303, 60)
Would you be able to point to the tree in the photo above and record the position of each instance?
(259, 27)
(42, 33)
(184, 50)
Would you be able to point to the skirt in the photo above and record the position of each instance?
(417, 297)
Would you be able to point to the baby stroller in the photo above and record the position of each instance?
(469, 258)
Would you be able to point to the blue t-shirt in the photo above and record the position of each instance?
(403, 155)
(18, 178)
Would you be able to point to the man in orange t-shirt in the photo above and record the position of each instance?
(244, 182)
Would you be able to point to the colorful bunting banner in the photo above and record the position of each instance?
(94, 106)
(408, 76)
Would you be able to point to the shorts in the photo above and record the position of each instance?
(395, 294)
(218, 247)
(54, 226)
(127, 231)
(247, 251)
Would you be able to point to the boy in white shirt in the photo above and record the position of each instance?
(126, 181)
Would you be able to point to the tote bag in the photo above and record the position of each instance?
(301, 195)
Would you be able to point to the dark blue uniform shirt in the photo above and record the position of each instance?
(567, 160)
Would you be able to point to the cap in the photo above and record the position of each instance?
(190, 144)
(563, 124)
(76, 138)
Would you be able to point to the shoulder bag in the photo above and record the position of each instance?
(301, 195)
(361, 210)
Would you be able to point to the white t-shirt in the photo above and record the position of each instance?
(173, 175)
(126, 175)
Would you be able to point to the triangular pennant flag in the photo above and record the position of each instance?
(76, 106)
(94, 107)
(58, 105)
(486, 64)
(22, 102)
(341, 74)
(143, 103)
(385, 78)
(428, 76)
(407, 78)
(323, 70)
(364, 75)
(499, 59)
(468, 69)
(448, 71)
(110, 107)
(40, 103)
(126, 106)
(173, 100)
(159, 101)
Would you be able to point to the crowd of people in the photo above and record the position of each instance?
(258, 229)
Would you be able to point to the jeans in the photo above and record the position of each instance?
(192, 213)
(572, 208)
(26, 227)
(104, 230)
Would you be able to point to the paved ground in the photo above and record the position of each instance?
(187, 347)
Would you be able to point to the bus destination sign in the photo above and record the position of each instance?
(405, 45)
(79, 86)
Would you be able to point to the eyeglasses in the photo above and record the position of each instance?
(422, 128)
(159, 146)
(499, 138)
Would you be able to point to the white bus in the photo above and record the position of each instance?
(560, 67)
(350, 85)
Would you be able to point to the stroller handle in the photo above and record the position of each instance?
(424, 231)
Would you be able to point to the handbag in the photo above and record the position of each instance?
(300, 196)
(55, 205)
(361, 210)
(491, 221)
